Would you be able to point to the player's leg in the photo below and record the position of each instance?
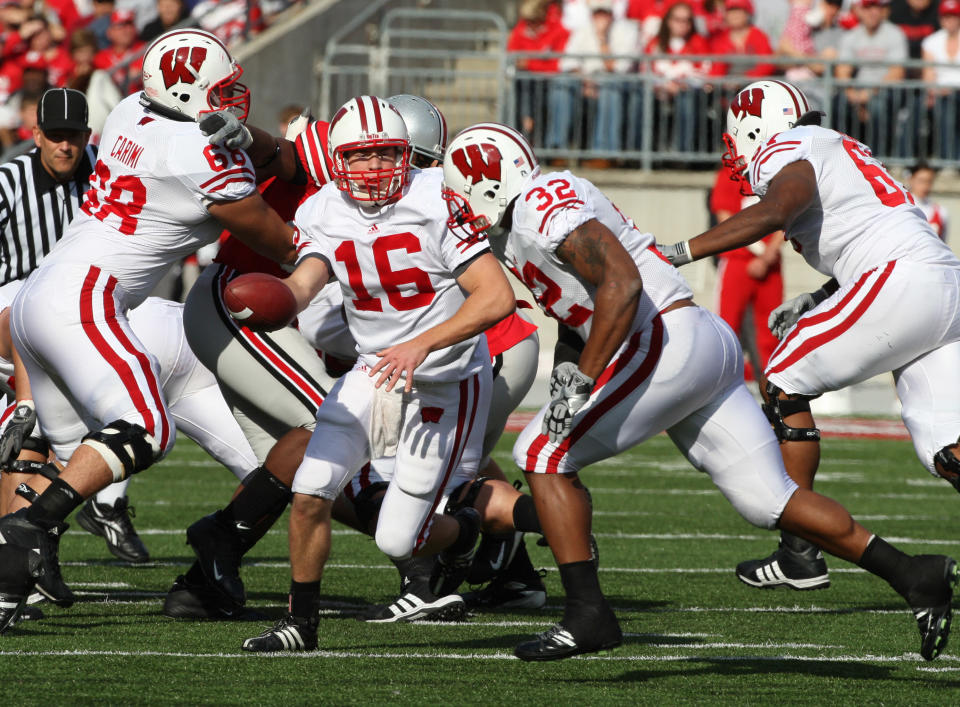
(338, 446)
(931, 409)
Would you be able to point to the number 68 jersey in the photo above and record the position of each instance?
(548, 210)
(397, 267)
(861, 218)
(147, 203)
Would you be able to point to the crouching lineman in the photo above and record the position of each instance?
(652, 360)
(159, 192)
(891, 304)
(379, 229)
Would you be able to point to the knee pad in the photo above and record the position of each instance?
(366, 504)
(947, 466)
(24, 491)
(45, 469)
(776, 409)
(125, 447)
(469, 496)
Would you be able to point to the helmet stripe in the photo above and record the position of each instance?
(362, 114)
(377, 118)
(513, 135)
(796, 95)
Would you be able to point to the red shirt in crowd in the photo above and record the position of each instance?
(107, 58)
(756, 44)
(695, 45)
(550, 36)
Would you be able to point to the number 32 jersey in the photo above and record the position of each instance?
(396, 266)
(548, 210)
(147, 203)
(861, 216)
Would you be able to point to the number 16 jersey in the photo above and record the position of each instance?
(397, 267)
(860, 218)
(147, 203)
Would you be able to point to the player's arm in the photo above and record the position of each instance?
(600, 259)
(257, 225)
(789, 194)
(489, 299)
(569, 345)
(271, 156)
(307, 279)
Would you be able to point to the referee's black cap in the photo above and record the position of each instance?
(62, 109)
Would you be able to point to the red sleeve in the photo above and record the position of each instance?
(720, 44)
(507, 333)
(759, 45)
(515, 40)
(726, 193)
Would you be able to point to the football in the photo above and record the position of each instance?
(260, 302)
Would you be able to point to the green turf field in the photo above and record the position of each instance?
(668, 543)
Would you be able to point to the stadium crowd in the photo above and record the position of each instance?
(573, 96)
(94, 46)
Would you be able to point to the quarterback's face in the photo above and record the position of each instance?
(61, 151)
(373, 167)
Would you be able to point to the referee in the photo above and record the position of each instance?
(41, 192)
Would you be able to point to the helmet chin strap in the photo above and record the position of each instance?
(162, 110)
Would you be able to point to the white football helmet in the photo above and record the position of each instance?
(369, 123)
(426, 125)
(485, 169)
(190, 72)
(757, 113)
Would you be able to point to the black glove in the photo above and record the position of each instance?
(18, 429)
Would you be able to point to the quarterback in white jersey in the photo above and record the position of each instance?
(416, 299)
(652, 360)
(157, 193)
(893, 303)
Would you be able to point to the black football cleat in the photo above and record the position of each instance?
(795, 563)
(17, 530)
(934, 613)
(218, 551)
(204, 602)
(19, 570)
(290, 633)
(558, 643)
(505, 592)
(113, 524)
(494, 554)
(453, 563)
(417, 603)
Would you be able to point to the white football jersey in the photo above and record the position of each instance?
(862, 218)
(545, 213)
(395, 266)
(147, 204)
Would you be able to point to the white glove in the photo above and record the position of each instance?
(226, 130)
(573, 389)
(18, 429)
(784, 317)
(677, 253)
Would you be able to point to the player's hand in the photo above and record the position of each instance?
(574, 390)
(18, 429)
(677, 253)
(784, 317)
(399, 362)
(226, 130)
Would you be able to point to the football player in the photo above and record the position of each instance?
(890, 305)
(652, 360)
(379, 229)
(159, 192)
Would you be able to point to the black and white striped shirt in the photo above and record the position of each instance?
(35, 210)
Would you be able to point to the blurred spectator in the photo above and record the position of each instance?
(648, 14)
(747, 278)
(538, 30)
(943, 47)
(742, 38)
(102, 93)
(922, 177)
(28, 117)
(286, 114)
(102, 12)
(144, 11)
(125, 44)
(591, 52)
(576, 13)
(679, 81)
(711, 18)
(875, 38)
(41, 40)
(917, 19)
(228, 19)
(770, 17)
(33, 82)
(69, 15)
(169, 14)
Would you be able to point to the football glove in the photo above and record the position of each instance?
(569, 391)
(784, 317)
(226, 130)
(18, 429)
(677, 253)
